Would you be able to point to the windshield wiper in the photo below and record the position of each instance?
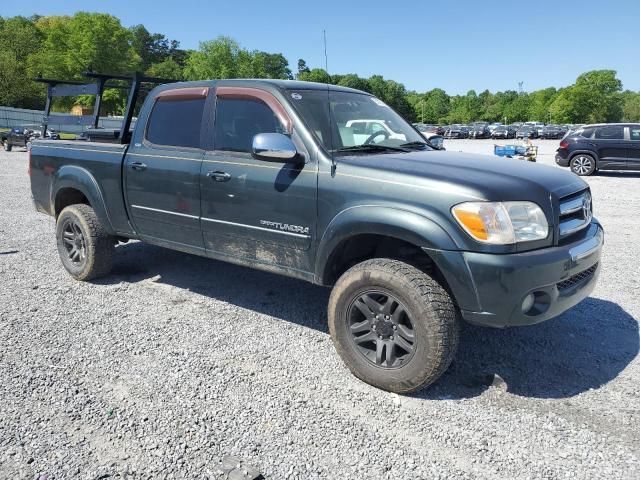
(372, 147)
(415, 144)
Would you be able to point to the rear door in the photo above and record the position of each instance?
(633, 152)
(162, 173)
(256, 211)
(611, 147)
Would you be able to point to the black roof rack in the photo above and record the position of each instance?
(70, 88)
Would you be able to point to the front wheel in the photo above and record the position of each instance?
(6, 145)
(393, 325)
(85, 248)
(583, 164)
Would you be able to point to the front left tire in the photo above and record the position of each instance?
(6, 145)
(394, 326)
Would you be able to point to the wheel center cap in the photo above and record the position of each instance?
(383, 327)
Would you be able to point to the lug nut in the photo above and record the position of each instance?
(391, 337)
(395, 327)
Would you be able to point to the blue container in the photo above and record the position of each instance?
(505, 150)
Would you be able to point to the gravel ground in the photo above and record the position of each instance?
(175, 361)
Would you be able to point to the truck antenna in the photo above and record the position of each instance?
(328, 78)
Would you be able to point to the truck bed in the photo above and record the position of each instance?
(95, 166)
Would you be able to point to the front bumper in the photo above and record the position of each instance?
(523, 288)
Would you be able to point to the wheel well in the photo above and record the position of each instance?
(363, 247)
(68, 196)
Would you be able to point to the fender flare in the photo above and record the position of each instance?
(393, 222)
(78, 178)
(588, 152)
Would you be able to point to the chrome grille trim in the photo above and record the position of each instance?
(575, 213)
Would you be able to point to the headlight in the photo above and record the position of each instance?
(502, 223)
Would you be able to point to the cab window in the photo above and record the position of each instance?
(163, 129)
(635, 133)
(238, 120)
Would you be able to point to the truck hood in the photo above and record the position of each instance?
(477, 176)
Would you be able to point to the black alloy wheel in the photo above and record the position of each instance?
(382, 329)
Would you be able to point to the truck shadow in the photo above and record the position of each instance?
(583, 349)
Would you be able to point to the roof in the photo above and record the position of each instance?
(259, 82)
(621, 124)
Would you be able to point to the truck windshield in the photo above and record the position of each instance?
(356, 120)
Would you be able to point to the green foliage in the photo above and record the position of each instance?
(224, 58)
(631, 109)
(19, 38)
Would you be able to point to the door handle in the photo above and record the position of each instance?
(219, 176)
(139, 166)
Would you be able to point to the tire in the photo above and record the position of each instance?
(583, 164)
(85, 248)
(6, 145)
(423, 322)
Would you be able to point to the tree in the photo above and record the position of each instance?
(270, 65)
(224, 58)
(541, 101)
(433, 106)
(19, 38)
(631, 108)
(302, 67)
(87, 40)
(316, 75)
(352, 80)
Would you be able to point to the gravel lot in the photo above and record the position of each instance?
(175, 361)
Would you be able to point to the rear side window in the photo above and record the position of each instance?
(635, 133)
(611, 132)
(586, 132)
(238, 120)
(176, 122)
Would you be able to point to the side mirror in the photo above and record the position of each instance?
(436, 141)
(273, 147)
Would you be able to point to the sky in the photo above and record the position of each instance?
(454, 45)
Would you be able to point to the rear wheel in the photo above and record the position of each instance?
(6, 145)
(583, 164)
(393, 325)
(85, 248)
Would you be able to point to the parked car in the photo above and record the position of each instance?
(410, 240)
(609, 146)
(503, 132)
(527, 131)
(457, 131)
(479, 131)
(552, 132)
(16, 137)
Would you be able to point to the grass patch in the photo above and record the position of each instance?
(67, 136)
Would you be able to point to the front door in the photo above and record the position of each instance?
(256, 212)
(162, 173)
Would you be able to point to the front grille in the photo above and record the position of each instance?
(577, 278)
(575, 213)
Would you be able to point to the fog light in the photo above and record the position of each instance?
(528, 302)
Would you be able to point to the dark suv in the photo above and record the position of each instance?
(609, 146)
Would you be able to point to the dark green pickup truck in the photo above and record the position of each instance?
(331, 186)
